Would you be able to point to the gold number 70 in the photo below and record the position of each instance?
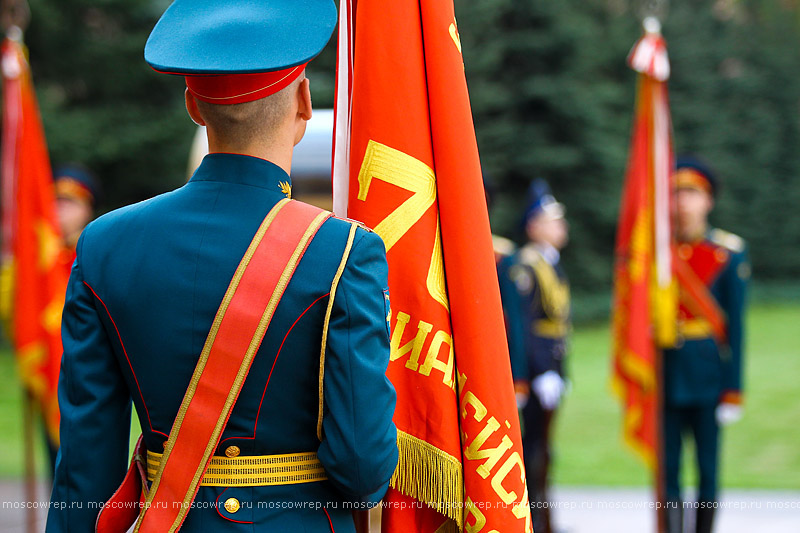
(392, 166)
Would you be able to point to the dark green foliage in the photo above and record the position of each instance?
(101, 103)
(552, 97)
(735, 99)
(103, 106)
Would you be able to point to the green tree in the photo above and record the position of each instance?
(101, 103)
(552, 97)
(103, 106)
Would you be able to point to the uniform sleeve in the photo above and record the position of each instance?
(95, 414)
(736, 277)
(359, 443)
(515, 328)
(540, 350)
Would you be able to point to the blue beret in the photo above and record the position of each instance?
(239, 36)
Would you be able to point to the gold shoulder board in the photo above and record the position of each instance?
(727, 240)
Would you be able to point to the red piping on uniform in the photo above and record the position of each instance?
(216, 506)
(273, 368)
(329, 519)
(146, 412)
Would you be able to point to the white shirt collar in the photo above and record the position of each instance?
(550, 254)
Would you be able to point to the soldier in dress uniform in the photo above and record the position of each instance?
(703, 373)
(316, 406)
(536, 301)
(76, 192)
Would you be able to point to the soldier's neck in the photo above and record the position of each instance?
(278, 151)
(693, 233)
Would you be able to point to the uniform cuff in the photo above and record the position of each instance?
(522, 386)
(733, 397)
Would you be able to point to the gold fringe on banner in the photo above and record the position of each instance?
(426, 473)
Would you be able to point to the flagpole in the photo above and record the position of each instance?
(652, 13)
(29, 459)
(660, 475)
(655, 11)
(663, 277)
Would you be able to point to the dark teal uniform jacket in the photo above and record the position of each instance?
(536, 303)
(145, 287)
(700, 371)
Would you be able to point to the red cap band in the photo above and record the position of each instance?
(689, 178)
(240, 88)
(67, 187)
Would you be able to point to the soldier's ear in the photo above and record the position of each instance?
(303, 96)
(303, 105)
(191, 108)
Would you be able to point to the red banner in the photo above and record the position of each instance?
(33, 280)
(644, 291)
(407, 165)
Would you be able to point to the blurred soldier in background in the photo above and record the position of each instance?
(536, 302)
(702, 374)
(76, 198)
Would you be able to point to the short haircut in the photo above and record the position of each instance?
(240, 124)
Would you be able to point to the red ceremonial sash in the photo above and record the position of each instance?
(236, 334)
(697, 298)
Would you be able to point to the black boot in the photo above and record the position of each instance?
(705, 518)
(674, 516)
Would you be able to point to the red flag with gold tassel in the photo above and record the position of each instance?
(33, 281)
(406, 164)
(644, 291)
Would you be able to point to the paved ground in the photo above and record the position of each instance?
(577, 510)
(598, 510)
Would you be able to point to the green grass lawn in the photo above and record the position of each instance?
(761, 451)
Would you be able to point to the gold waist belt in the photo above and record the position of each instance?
(697, 328)
(552, 329)
(254, 470)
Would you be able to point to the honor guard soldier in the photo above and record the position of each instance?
(76, 196)
(248, 330)
(702, 374)
(536, 302)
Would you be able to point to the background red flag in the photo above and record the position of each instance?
(33, 280)
(644, 292)
(406, 164)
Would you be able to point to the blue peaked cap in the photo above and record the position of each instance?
(541, 200)
(239, 36)
(80, 174)
(699, 165)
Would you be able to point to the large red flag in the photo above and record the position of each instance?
(33, 279)
(406, 164)
(644, 291)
